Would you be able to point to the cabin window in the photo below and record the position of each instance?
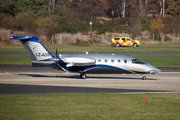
(112, 61)
(119, 61)
(106, 60)
(125, 61)
(99, 60)
(137, 61)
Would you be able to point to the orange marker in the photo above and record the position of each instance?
(144, 98)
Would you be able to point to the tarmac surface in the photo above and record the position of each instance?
(20, 79)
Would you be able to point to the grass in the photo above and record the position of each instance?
(89, 106)
(97, 48)
(15, 59)
(155, 60)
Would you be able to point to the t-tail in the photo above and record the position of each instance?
(39, 55)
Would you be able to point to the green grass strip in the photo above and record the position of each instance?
(97, 48)
(89, 106)
(15, 59)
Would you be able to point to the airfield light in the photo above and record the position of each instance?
(90, 26)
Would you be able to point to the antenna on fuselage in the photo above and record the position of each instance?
(56, 54)
(56, 57)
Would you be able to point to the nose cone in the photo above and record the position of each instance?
(153, 70)
(158, 70)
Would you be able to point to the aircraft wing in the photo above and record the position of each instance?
(78, 61)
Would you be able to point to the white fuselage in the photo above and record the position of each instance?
(107, 61)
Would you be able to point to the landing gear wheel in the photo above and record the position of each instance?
(144, 78)
(83, 76)
(135, 45)
(118, 45)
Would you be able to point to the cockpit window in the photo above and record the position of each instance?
(137, 61)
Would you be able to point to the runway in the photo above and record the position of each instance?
(15, 79)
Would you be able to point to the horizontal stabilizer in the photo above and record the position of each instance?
(43, 63)
(27, 37)
(55, 59)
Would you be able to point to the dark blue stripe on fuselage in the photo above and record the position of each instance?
(106, 69)
(94, 69)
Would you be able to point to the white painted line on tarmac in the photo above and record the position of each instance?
(147, 92)
(169, 72)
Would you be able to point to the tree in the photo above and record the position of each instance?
(160, 25)
(162, 6)
(97, 4)
(140, 6)
(87, 11)
(45, 22)
(50, 5)
(6, 20)
(26, 20)
(68, 12)
(154, 25)
(118, 7)
(8, 7)
(173, 8)
(157, 25)
(37, 6)
(57, 10)
(115, 6)
(14, 7)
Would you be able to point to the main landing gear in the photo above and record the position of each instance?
(83, 76)
(143, 77)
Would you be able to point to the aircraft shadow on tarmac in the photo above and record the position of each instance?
(78, 77)
(29, 89)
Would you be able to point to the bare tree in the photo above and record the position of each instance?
(50, 5)
(143, 5)
(118, 7)
(87, 12)
(162, 7)
(140, 6)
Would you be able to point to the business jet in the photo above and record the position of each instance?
(84, 63)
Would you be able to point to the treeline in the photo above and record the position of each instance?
(47, 17)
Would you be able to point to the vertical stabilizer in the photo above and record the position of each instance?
(34, 48)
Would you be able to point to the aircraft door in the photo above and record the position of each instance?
(125, 62)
